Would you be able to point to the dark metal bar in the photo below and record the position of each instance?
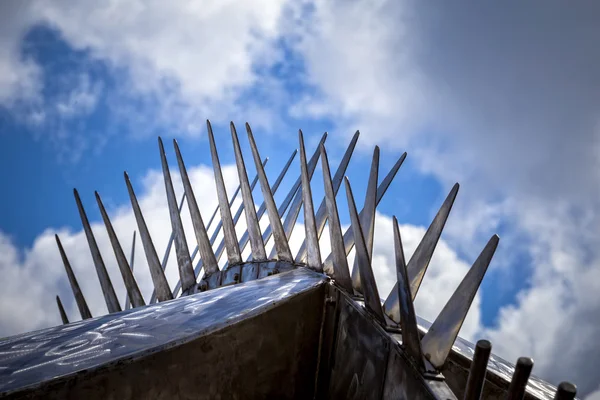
(516, 390)
(565, 391)
(476, 379)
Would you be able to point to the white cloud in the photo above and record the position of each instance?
(510, 113)
(593, 396)
(19, 77)
(196, 59)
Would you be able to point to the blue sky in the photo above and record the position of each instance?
(513, 114)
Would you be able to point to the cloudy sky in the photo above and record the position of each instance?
(504, 99)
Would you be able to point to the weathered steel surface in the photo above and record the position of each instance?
(368, 362)
(361, 355)
(67, 354)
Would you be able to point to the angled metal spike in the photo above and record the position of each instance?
(565, 391)
(131, 260)
(112, 303)
(310, 225)
(296, 203)
(61, 310)
(253, 228)
(234, 256)
(263, 207)
(367, 218)
(438, 341)
(281, 244)
(161, 286)
(209, 261)
(184, 262)
(236, 217)
(340, 271)
(422, 256)
(369, 286)
(213, 238)
(130, 284)
(420, 260)
(478, 370)
(165, 259)
(408, 320)
(84, 310)
(381, 189)
(322, 213)
(518, 384)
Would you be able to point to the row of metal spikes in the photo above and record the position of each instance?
(209, 258)
(429, 352)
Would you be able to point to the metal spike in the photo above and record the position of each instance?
(408, 320)
(296, 203)
(263, 207)
(253, 228)
(518, 384)
(370, 292)
(367, 218)
(310, 225)
(281, 244)
(322, 213)
(213, 238)
(209, 261)
(107, 288)
(422, 256)
(84, 310)
(234, 256)
(236, 218)
(130, 284)
(476, 379)
(61, 310)
(184, 262)
(381, 189)
(161, 286)
(438, 341)
(131, 260)
(565, 391)
(165, 259)
(340, 272)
